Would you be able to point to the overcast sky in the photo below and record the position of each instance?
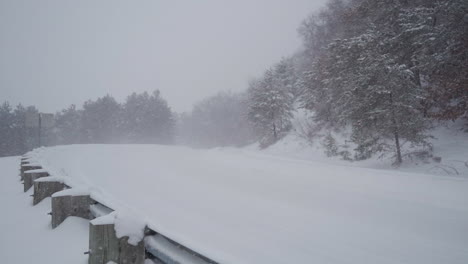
(54, 53)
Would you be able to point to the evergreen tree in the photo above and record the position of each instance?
(100, 120)
(219, 120)
(270, 106)
(445, 63)
(361, 85)
(68, 126)
(147, 119)
(23, 138)
(15, 137)
(6, 131)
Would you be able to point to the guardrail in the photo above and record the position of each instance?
(104, 244)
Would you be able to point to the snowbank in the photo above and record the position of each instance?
(450, 144)
(26, 233)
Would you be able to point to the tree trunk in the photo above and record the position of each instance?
(397, 144)
(395, 133)
(417, 80)
(274, 132)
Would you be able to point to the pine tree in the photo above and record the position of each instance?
(147, 119)
(100, 120)
(6, 131)
(270, 106)
(446, 60)
(15, 137)
(68, 126)
(219, 120)
(362, 85)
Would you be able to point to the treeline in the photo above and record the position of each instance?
(219, 120)
(142, 118)
(382, 69)
(386, 68)
(15, 137)
(261, 114)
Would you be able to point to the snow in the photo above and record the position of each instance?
(130, 225)
(26, 233)
(35, 171)
(245, 206)
(98, 210)
(125, 224)
(450, 142)
(171, 251)
(49, 179)
(72, 192)
(108, 219)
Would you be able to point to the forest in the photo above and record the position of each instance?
(381, 73)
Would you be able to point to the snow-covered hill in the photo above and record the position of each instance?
(449, 142)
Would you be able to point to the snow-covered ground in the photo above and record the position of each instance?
(450, 143)
(26, 234)
(244, 206)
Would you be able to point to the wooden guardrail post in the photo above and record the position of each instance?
(24, 161)
(44, 188)
(105, 246)
(27, 167)
(65, 204)
(31, 175)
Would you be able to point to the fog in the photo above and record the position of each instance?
(216, 73)
(61, 52)
(208, 131)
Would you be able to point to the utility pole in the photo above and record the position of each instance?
(39, 121)
(40, 129)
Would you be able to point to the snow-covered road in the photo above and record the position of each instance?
(236, 206)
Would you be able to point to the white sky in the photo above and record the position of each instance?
(57, 52)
